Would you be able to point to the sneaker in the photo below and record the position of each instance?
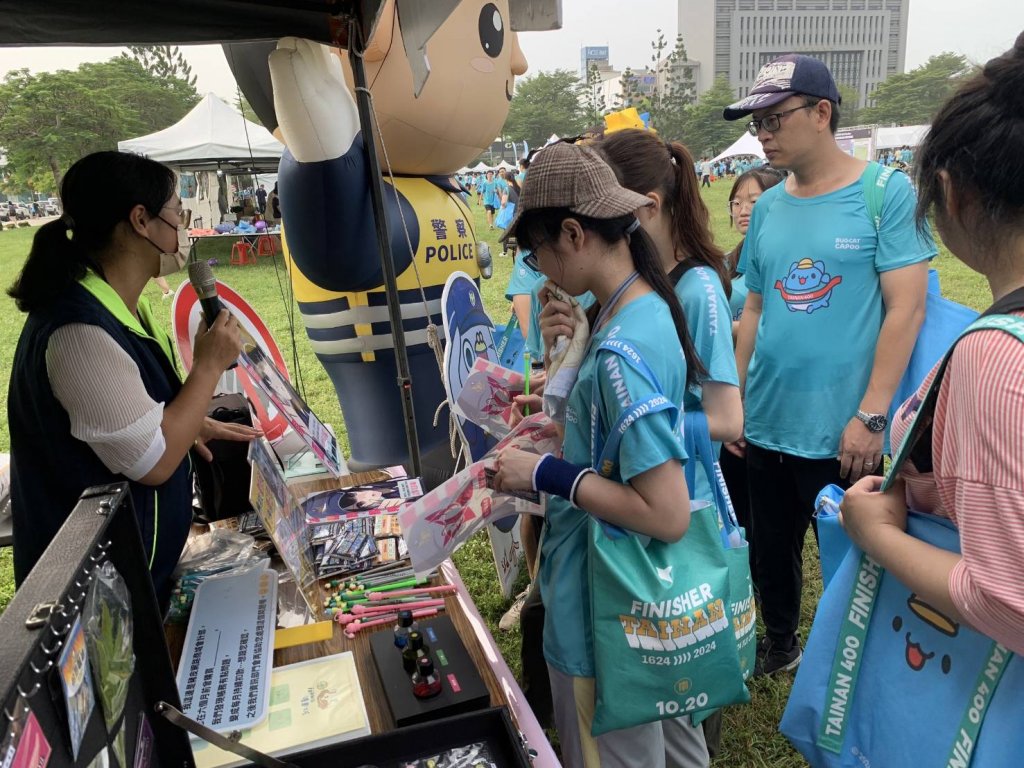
(511, 618)
(772, 657)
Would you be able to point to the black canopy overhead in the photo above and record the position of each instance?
(182, 22)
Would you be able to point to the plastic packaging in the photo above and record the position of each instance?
(107, 622)
(211, 553)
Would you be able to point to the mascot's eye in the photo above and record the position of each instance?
(469, 354)
(492, 30)
(897, 622)
(947, 664)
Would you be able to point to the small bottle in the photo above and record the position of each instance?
(425, 681)
(406, 625)
(415, 650)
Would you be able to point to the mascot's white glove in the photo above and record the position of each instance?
(315, 109)
(565, 357)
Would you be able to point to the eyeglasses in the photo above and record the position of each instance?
(180, 214)
(773, 122)
(736, 205)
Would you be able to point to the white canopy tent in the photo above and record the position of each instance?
(506, 165)
(212, 135)
(744, 145)
(482, 167)
(900, 136)
(212, 141)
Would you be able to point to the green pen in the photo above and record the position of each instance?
(526, 385)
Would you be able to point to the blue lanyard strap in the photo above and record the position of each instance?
(604, 452)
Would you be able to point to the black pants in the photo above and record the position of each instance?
(783, 490)
(705, 181)
(536, 685)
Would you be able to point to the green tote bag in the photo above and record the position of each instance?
(664, 641)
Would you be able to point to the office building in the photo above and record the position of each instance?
(593, 56)
(861, 41)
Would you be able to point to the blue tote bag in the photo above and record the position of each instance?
(888, 680)
(833, 543)
(944, 321)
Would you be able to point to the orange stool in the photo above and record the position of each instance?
(265, 246)
(242, 254)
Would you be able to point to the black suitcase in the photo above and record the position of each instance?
(33, 628)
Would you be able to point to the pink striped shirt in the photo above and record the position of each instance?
(978, 478)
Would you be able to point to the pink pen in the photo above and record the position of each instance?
(443, 589)
(357, 625)
(370, 610)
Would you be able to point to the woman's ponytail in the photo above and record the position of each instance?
(63, 250)
(647, 263)
(53, 265)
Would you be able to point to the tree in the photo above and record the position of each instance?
(629, 92)
(49, 120)
(164, 61)
(705, 131)
(594, 97)
(914, 98)
(849, 111)
(243, 106)
(548, 102)
(677, 93)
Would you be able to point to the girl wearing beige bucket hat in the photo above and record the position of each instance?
(582, 226)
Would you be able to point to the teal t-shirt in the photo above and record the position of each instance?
(492, 192)
(523, 277)
(816, 263)
(710, 324)
(534, 341)
(738, 299)
(648, 442)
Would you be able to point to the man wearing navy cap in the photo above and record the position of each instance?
(836, 299)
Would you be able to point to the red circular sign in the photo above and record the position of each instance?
(186, 314)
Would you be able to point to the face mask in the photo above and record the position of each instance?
(173, 262)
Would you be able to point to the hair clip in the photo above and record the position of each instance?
(633, 227)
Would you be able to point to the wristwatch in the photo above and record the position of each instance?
(875, 422)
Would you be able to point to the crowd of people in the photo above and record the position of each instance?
(826, 294)
(791, 345)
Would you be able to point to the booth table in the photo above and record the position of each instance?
(473, 631)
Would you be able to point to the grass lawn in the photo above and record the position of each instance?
(750, 736)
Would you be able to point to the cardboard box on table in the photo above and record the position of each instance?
(34, 627)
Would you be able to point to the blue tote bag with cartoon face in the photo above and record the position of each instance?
(888, 681)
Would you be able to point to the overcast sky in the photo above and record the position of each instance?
(979, 29)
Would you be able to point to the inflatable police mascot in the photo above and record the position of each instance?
(441, 74)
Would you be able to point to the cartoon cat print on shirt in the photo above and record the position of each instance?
(808, 286)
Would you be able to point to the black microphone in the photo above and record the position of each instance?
(205, 284)
(202, 279)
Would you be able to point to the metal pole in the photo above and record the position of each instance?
(356, 47)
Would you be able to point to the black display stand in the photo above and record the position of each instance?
(462, 690)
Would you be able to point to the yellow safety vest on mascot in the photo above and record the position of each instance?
(440, 94)
(347, 323)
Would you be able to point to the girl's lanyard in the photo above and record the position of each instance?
(607, 309)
